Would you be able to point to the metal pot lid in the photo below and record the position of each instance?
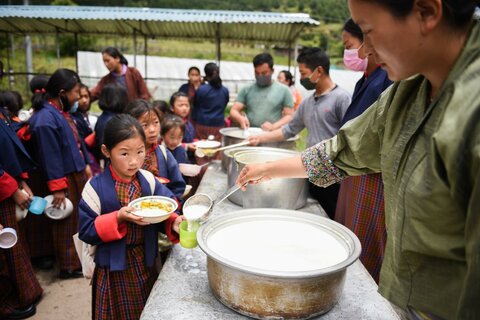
(345, 241)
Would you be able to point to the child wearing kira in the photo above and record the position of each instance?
(126, 245)
(19, 288)
(58, 150)
(180, 106)
(158, 160)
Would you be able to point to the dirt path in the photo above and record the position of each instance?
(63, 299)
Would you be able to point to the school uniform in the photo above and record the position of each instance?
(162, 163)
(62, 166)
(125, 252)
(18, 285)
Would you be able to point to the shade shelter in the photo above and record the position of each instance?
(265, 27)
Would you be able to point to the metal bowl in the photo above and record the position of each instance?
(271, 294)
(285, 193)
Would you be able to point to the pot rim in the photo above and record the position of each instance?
(227, 133)
(340, 232)
(230, 153)
(284, 152)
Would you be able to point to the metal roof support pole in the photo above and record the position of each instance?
(295, 55)
(57, 43)
(289, 55)
(75, 35)
(9, 70)
(218, 44)
(135, 48)
(145, 53)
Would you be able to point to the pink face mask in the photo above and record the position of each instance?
(353, 62)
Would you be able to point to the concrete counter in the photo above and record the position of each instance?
(182, 290)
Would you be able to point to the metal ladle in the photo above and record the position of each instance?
(205, 200)
(200, 153)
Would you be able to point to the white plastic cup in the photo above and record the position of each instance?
(8, 238)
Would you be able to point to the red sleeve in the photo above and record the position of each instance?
(58, 184)
(172, 235)
(9, 186)
(24, 133)
(24, 175)
(108, 228)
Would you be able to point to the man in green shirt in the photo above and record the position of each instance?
(267, 104)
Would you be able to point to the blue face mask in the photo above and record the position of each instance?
(74, 107)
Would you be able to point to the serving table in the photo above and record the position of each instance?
(182, 290)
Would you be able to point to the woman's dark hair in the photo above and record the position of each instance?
(162, 108)
(456, 13)
(175, 96)
(9, 103)
(193, 68)
(113, 97)
(352, 28)
(119, 128)
(84, 86)
(313, 58)
(171, 121)
(61, 79)
(37, 87)
(139, 107)
(114, 52)
(288, 76)
(19, 98)
(212, 74)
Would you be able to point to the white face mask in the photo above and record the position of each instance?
(352, 61)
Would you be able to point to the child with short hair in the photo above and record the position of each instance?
(172, 132)
(180, 106)
(162, 108)
(126, 245)
(158, 159)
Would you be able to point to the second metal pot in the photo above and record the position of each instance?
(291, 193)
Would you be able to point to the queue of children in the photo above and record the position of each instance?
(133, 149)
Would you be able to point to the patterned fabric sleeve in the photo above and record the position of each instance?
(320, 169)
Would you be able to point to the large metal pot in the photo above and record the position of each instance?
(270, 294)
(232, 167)
(286, 193)
(234, 135)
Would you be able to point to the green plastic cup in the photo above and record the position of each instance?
(188, 238)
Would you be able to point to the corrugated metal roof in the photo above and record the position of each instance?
(238, 25)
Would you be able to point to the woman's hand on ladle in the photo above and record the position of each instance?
(253, 174)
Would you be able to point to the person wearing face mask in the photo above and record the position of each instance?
(57, 148)
(360, 205)
(266, 103)
(321, 113)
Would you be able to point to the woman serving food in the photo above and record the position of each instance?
(423, 135)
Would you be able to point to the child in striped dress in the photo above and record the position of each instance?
(126, 245)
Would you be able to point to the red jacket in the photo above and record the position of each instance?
(136, 87)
